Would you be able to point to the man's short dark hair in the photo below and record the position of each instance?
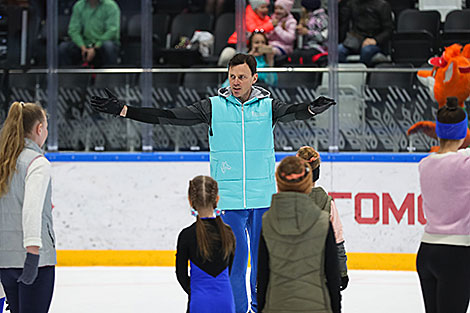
(241, 58)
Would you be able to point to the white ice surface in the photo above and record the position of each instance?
(155, 289)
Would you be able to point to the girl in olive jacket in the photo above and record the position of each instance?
(297, 258)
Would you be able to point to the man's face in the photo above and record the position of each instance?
(241, 80)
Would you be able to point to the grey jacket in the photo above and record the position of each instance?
(12, 252)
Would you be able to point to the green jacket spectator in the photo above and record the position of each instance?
(94, 30)
(92, 26)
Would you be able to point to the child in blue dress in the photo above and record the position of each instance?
(209, 246)
(2, 298)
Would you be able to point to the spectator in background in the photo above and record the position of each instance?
(264, 54)
(94, 29)
(313, 35)
(370, 31)
(256, 18)
(313, 26)
(283, 36)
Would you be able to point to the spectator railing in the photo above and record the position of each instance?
(136, 70)
(364, 114)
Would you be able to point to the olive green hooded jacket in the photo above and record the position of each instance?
(295, 231)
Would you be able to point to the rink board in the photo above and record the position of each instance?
(120, 209)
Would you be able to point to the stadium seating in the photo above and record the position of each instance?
(200, 81)
(132, 43)
(456, 28)
(400, 5)
(351, 104)
(443, 7)
(224, 28)
(171, 6)
(184, 25)
(416, 37)
(391, 79)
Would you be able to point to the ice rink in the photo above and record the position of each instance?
(155, 289)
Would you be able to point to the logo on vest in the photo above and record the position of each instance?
(225, 167)
(258, 114)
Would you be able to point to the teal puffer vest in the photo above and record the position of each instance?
(242, 151)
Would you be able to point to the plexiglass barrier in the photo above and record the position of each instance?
(157, 66)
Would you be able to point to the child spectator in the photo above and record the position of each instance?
(283, 36)
(264, 55)
(444, 254)
(297, 258)
(319, 196)
(2, 298)
(209, 246)
(313, 26)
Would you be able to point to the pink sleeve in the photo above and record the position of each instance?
(336, 222)
(287, 35)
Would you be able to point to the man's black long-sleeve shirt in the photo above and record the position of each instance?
(201, 112)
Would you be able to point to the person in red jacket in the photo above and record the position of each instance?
(256, 19)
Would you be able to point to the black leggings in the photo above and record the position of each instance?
(444, 273)
(35, 298)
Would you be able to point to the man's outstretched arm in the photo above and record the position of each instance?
(283, 112)
(198, 112)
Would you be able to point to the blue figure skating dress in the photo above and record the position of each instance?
(208, 285)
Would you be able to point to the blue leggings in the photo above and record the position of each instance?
(35, 298)
(2, 302)
(243, 222)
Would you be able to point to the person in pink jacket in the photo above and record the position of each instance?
(312, 157)
(283, 36)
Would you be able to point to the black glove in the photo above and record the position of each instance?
(110, 105)
(344, 282)
(320, 105)
(30, 269)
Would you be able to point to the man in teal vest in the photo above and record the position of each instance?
(241, 120)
